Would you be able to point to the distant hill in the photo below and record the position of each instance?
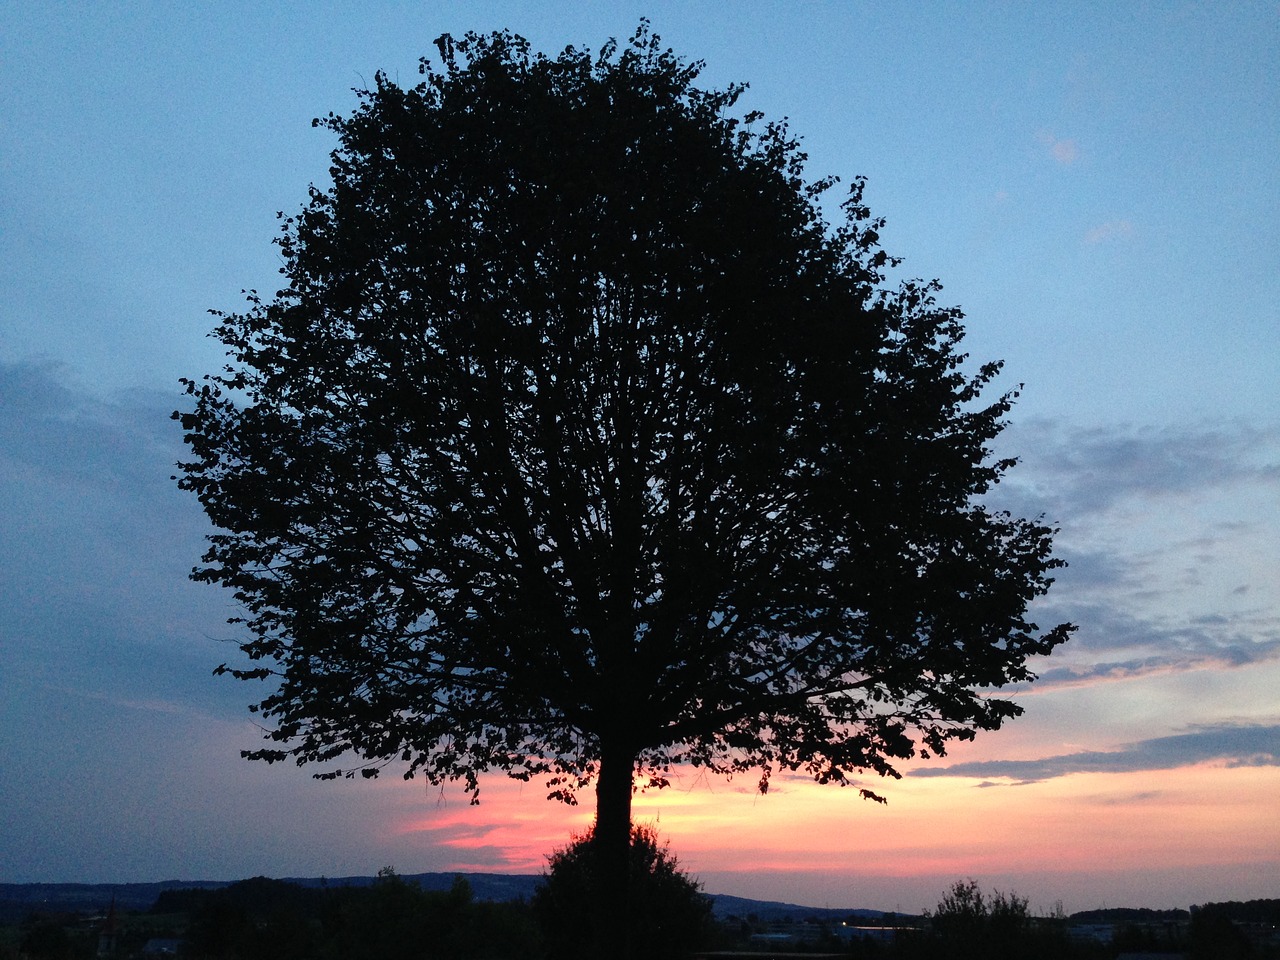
(1123, 916)
(19, 900)
(769, 911)
(484, 886)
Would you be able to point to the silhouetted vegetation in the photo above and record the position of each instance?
(1248, 911)
(969, 924)
(1131, 916)
(579, 443)
(394, 918)
(391, 919)
(1215, 935)
(667, 909)
(50, 939)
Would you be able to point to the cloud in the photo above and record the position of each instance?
(1244, 654)
(1235, 745)
(1072, 470)
(1111, 230)
(99, 542)
(1169, 542)
(61, 432)
(1129, 631)
(1127, 799)
(1131, 618)
(1065, 152)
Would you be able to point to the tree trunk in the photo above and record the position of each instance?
(613, 848)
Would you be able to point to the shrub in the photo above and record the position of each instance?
(666, 908)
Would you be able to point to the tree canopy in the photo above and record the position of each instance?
(579, 443)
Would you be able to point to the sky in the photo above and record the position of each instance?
(1094, 184)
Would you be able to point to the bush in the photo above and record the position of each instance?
(969, 924)
(666, 908)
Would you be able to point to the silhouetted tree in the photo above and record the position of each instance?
(580, 445)
(394, 919)
(971, 925)
(1214, 936)
(961, 915)
(667, 910)
(46, 939)
(255, 919)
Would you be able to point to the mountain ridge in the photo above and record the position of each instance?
(17, 900)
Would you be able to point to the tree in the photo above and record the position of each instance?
(969, 924)
(1215, 936)
(579, 445)
(46, 939)
(667, 908)
(962, 913)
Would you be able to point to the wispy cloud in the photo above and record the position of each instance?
(1065, 152)
(1235, 745)
(1075, 470)
(99, 545)
(1168, 541)
(1121, 622)
(1246, 653)
(58, 431)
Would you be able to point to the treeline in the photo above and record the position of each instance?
(395, 919)
(1250, 911)
(970, 924)
(1125, 916)
(392, 919)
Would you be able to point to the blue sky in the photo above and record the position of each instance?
(1097, 189)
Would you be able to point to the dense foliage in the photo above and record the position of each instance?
(578, 430)
(668, 910)
(580, 444)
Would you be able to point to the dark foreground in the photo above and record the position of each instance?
(393, 918)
